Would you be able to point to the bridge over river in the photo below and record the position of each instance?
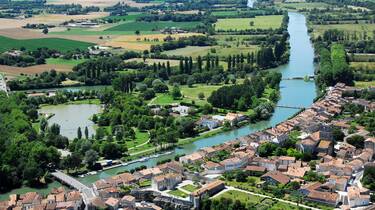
(87, 193)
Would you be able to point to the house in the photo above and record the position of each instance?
(112, 203)
(370, 143)
(356, 197)
(75, 196)
(307, 145)
(269, 164)
(209, 123)
(296, 171)
(147, 173)
(233, 163)
(209, 189)
(256, 170)
(192, 158)
(286, 160)
(340, 182)
(70, 205)
(171, 167)
(275, 178)
(213, 168)
(182, 110)
(328, 198)
(30, 199)
(234, 118)
(166, 181)
(325, 147)
(98, 203)
(127, 201)
(147, 206)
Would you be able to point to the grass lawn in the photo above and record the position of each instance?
(178, 193)
(152, 26)
(145, 183)
(87, 32)
(140, 138)
(71, 62)
(86, 101)
(351, 28)
(260, 22)
(164, 99)
(241, 196)
(190, 188)
(365, 84)
(193, 92)
(62, 45)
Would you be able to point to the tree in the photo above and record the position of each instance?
(91, 156)
(55, 129)
(201, 95)
(43, 124)
(137, 32)
(357, 141)
(266, 149)
(176, 93)
(79, 133)
(87, 132)
(72, 161)
(337, 134)
(33, 114)
(45, 30)
(251, 23)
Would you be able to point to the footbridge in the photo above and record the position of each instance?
(292, 107)
(307, 77)
(87, 192)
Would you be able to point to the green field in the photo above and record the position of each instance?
(260, 22)
(193, 51)
(190, 188)
(303, 5)
(132, 16)
(363, 65)
(152, 26)
(71, 62)
(62, 45)
(365, 84)
(256, 202)
(178, 193)
(350, 28)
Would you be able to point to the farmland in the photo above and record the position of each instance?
(260, 22)
(62, 45)
(349, 28)
(152, 26)
(151, 61)
(12, 72)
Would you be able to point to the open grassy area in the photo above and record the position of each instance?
(193, 51)
(260, 22)
(350, 28)
(131, 16)
(62, 45)
(178, 193)
(192, 93)
(365, 84)
(241, 196)
(190, 188)
(303, 5)
(152, 26)
(71, 62)
(140, 138)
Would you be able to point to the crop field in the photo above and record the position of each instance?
(12, 72)
(62, 45)
(260, 22)
(150, 61)
(131, 16)
(152, 26)
(363, 65)
(142, 42)
(100, 3)
(303, 5)
(351, 28)
(365, 84)
(61, 61)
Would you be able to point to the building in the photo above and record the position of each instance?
(370, 143)
(275, 178)
(234, 118)
(112, 203)
(127, 201)
(213, 168)
(205, 122)
(166, 181)
(192, 158)
(209, 189)
(233, 163)
(357, 197)
(256, 170)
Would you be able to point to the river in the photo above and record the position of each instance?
(293, 93)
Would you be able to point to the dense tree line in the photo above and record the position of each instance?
(177, 17)
(25, 155)
(243, 96)
(182, 42)
(334, 67)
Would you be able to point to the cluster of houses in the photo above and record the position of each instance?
(340, 163)
(59, 198)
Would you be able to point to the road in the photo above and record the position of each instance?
(228, 188)
(3, 84)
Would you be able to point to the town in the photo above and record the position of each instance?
(334, 180)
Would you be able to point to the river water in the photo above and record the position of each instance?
(293, 93)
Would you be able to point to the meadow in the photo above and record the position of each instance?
(63, 45)
(260, 22)
(351, 28)
(152, 26)
(303, 5)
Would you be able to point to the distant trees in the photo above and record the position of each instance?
(334, 67)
